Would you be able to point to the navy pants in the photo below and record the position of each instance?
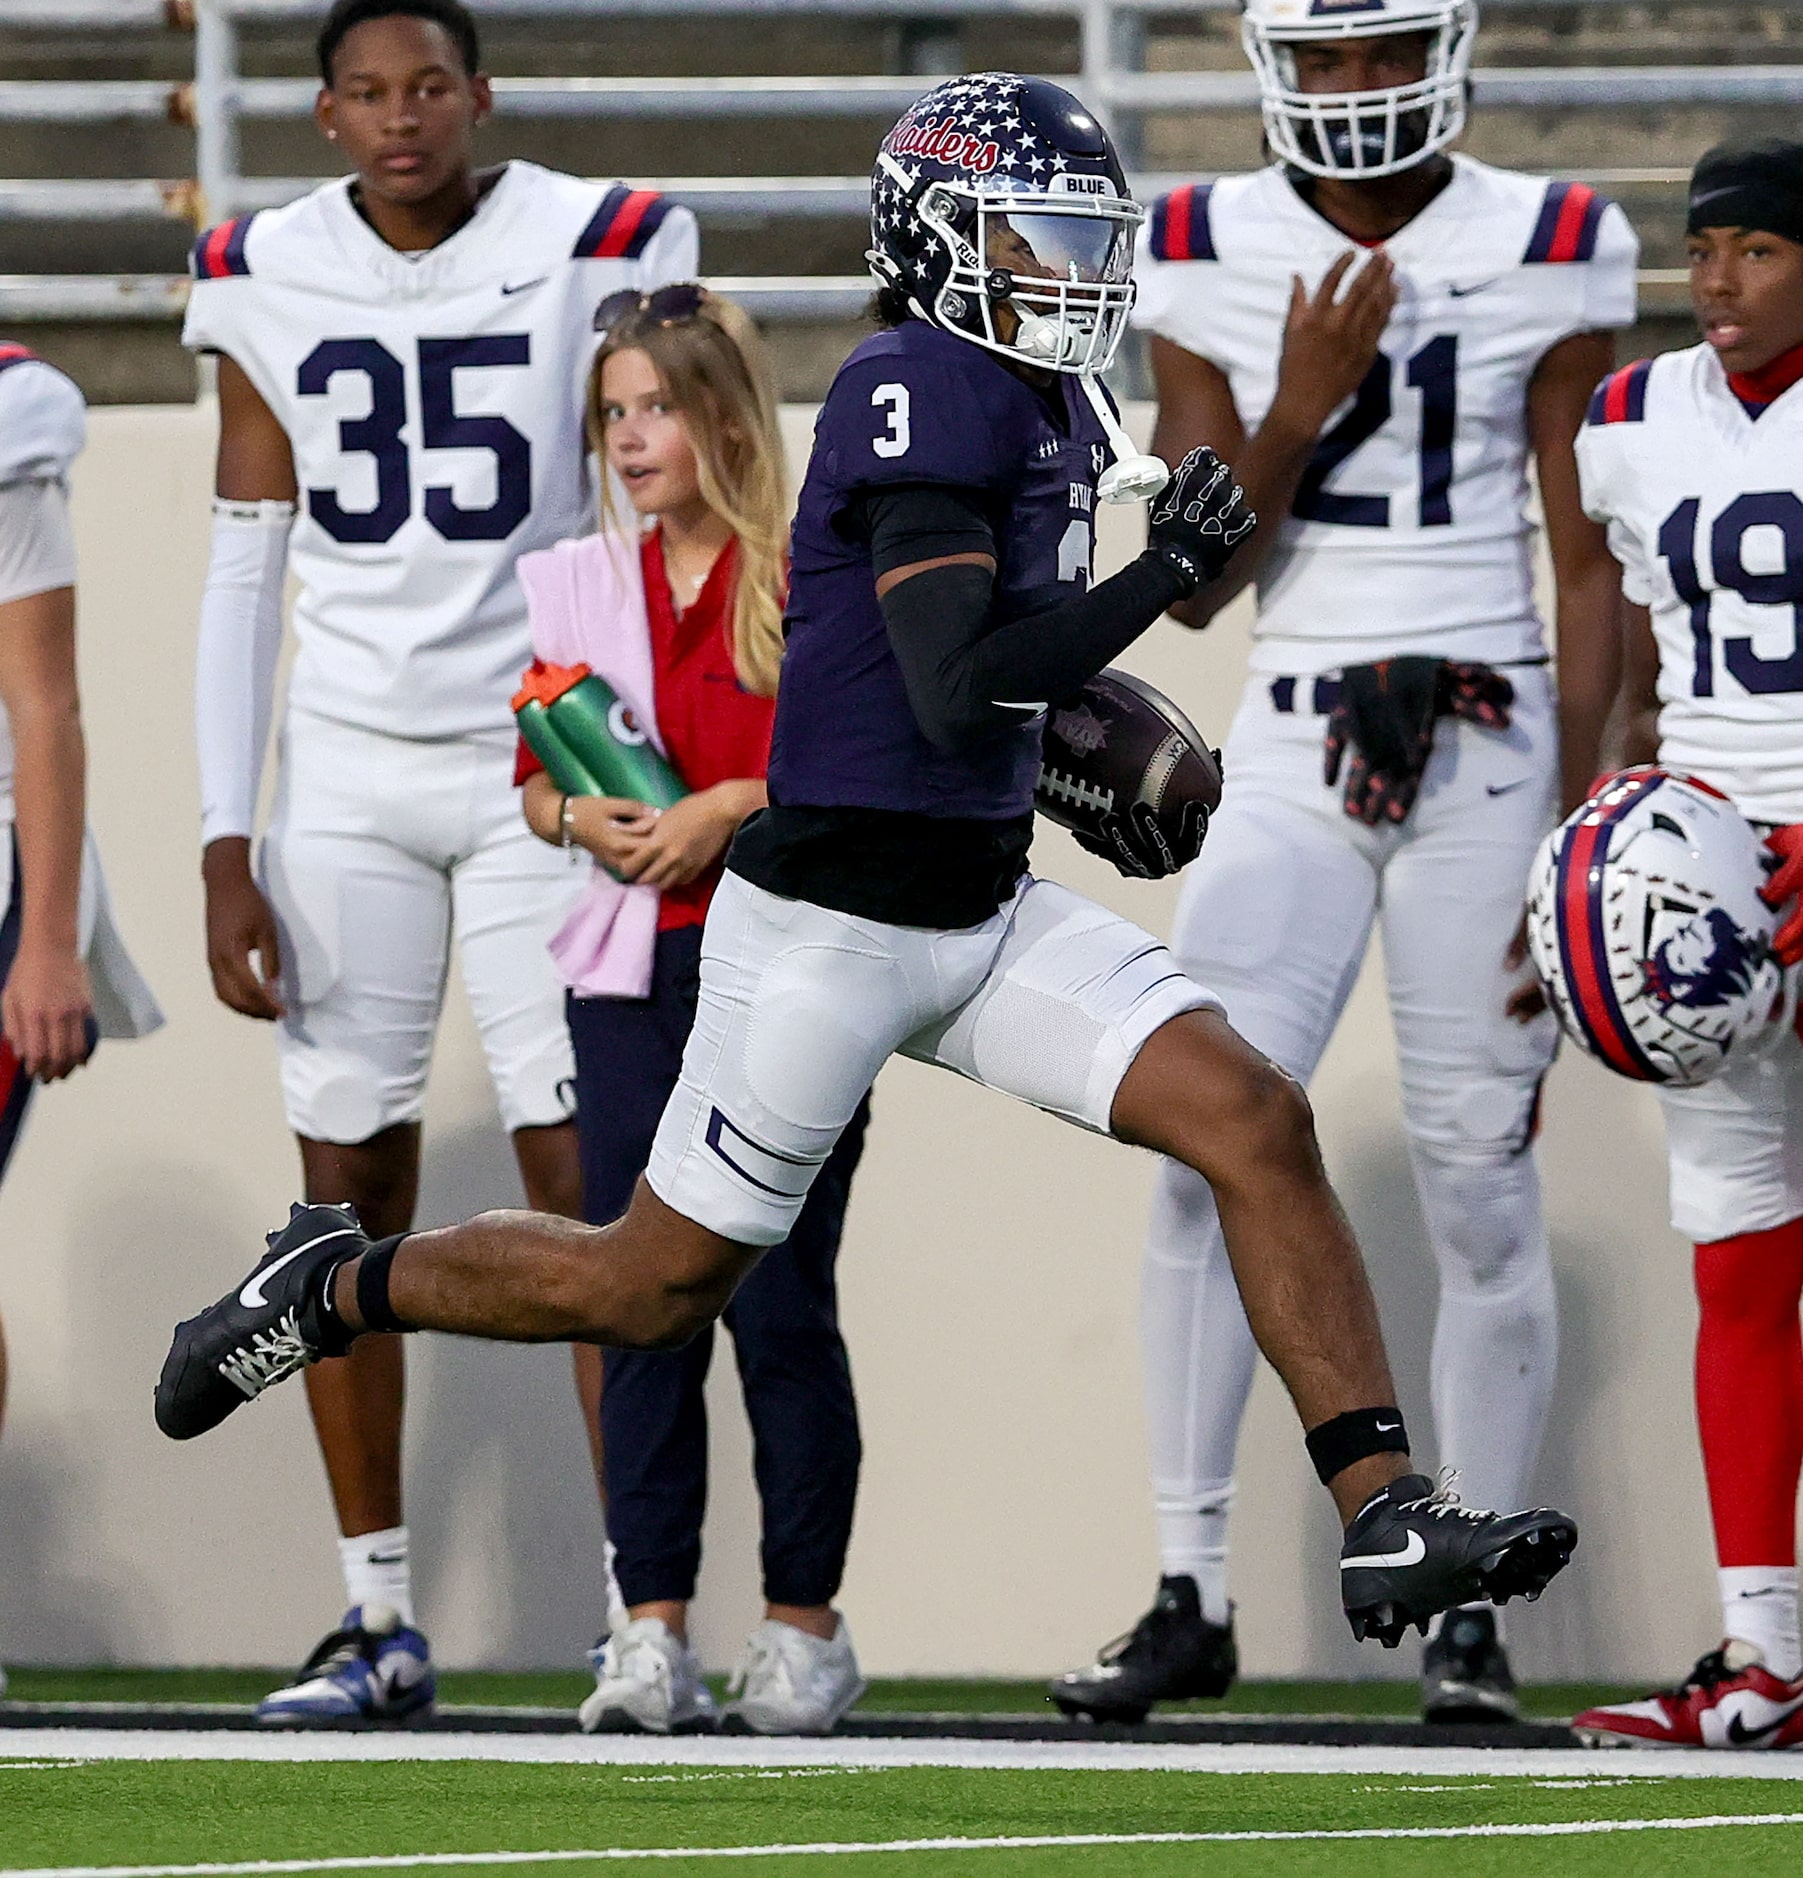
(784, 1321)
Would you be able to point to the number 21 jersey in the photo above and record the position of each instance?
(1409, 531)
(434, 403)
(1701, 500)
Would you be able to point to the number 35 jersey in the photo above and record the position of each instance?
(1704, 513)
(434, 403)
(1409, 531)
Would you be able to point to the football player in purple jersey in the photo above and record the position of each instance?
(939, 600)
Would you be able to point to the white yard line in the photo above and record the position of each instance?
(268, 1868)
(108, 1744)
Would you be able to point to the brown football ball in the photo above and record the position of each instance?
(1121, 741)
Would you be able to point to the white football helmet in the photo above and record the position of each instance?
(1647, 929)
(1360, 133)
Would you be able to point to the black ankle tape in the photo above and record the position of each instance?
(1355, 1436)
(372, 1286)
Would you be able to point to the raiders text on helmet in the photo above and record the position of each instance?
(999, 209)
(1360, 133)
(1647, 929)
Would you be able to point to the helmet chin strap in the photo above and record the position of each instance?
(1132, 476)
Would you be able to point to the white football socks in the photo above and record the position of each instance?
(377, 1570)
(1759, 1606)
(1192, 1543)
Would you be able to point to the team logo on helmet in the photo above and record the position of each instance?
(944, 141)
(1709, 961)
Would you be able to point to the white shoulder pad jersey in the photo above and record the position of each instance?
(43, 420)
(435, 407)
(1409, 531)
(1704, 507)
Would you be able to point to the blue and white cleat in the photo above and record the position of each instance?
(373, 1668)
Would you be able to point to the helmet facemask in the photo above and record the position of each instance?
(1361, 134)
(1042, 274)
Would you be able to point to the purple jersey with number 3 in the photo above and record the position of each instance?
(916, 405)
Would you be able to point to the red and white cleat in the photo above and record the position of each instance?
(1729, 1700)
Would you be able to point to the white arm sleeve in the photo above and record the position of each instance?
(240, 643)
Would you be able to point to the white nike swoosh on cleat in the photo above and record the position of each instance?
(252, 1298)
(1411, 1553)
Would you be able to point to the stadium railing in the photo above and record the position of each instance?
(219, 99)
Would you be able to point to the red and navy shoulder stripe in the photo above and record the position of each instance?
(1180, 225)
(1621, 397)
(623, 226)
(219, 253)
(1570, 215)
(12, 354)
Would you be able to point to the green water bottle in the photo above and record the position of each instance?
(589, 740)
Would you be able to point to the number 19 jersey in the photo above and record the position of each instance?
(1409, 531)
(434, 403)
(1702, 506)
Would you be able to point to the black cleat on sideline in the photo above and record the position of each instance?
(1465, 1674)
(1173, 1654)
(1413, 1551)
(264, 1330)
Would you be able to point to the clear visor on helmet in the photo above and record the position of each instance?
(1064, 247)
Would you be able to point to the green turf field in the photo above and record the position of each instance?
(66, 1816)
(566, 1688)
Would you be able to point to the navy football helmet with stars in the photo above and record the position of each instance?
(999, 211)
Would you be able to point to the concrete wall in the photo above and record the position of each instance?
(989, 1280)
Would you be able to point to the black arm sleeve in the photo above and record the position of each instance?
(969, 676)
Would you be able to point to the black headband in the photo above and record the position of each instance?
(1749, 185)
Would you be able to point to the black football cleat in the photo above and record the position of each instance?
(1414, 1550)
(1465, 1674)
(1173, 1654)
(259, 1334)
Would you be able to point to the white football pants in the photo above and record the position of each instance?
(1274, 918)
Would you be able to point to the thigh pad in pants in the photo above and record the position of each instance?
(1069, 1001)
(800, 1007)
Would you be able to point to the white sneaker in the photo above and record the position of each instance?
(647, 1680)
(789, 1683)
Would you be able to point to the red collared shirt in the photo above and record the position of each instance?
(713, 730)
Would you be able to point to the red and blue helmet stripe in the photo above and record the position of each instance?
(1593, 1003)
(14, 354)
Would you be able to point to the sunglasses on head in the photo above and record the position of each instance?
(664, 306)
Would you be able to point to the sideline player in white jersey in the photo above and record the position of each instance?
(402, 361)
(1378, 335)
(1695, 462)
(66, 978)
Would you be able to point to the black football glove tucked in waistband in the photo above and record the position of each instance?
(1387, 712)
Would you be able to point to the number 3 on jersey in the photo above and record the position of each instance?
(379, 435)
(893, 401)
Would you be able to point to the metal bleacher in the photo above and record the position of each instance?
(217, 95)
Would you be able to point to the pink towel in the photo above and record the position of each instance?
(586, 602)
